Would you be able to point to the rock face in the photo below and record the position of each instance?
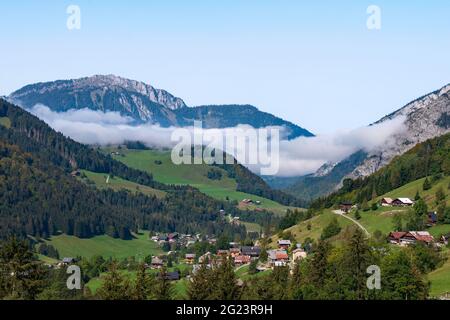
(101, 92)
(143, 103)
(425, 118)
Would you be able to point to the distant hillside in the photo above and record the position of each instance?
(313, 186)
(427, 159)
(39, 197)
(224, 116)
(228, 182)
(426, 117)
(143, 103)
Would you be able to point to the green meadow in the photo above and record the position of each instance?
(106, 246)
(103, 180)
(160, 165)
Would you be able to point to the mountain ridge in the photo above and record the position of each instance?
(425, 117)
(143, 103)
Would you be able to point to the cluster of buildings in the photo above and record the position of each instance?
(181, 240)
(250, 201)
(242, 255)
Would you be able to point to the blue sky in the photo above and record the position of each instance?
(314, 63)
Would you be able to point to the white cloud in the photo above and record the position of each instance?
(297, 157)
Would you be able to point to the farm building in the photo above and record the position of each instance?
(386, 202)
(240, 260)
(284, 244)
(407, 238)
(189, 258)
(402, 202)
(253, 252)
(345, 206)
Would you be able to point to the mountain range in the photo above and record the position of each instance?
(143, 103)
(424, 118)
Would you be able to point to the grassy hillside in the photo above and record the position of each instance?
(318, 223)
(140, 246)
(382, 218)
(440, 278)
(102, 181)
(160, 165)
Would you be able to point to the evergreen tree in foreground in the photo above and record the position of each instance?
(22, 275)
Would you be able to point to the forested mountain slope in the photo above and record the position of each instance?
(40, 198)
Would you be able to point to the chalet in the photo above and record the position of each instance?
(402, 202)
(284, 244)
(189, 258)
(422, 236)
(240, 260)
(67, 260)
(395, 237)
(223, 253)
(156, 263)
(173, 276)
(386, 202)
(298, 254)
(253, 252)
(411, 237)
(345, 206)
(173, 236)
(247, 201)
(277, 258)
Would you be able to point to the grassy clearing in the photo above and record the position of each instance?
(160, 165)
(180, 286)
(242, 273)
(317, 223)
(139, 247)
(251, 226)
(440, 278)
(382, 218)
(4, 121)
(409, 190)
(102, 181)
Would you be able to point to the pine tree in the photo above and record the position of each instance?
(357, 259)
(143, 286)
(225, 282)
(201, 284)
(426, 184)
(21, 276)
(417, 196)
(320, 263)
(163, 287)
(114, 286)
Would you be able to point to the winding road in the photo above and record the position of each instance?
(342, 214)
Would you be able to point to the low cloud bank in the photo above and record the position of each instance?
(297, 157)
